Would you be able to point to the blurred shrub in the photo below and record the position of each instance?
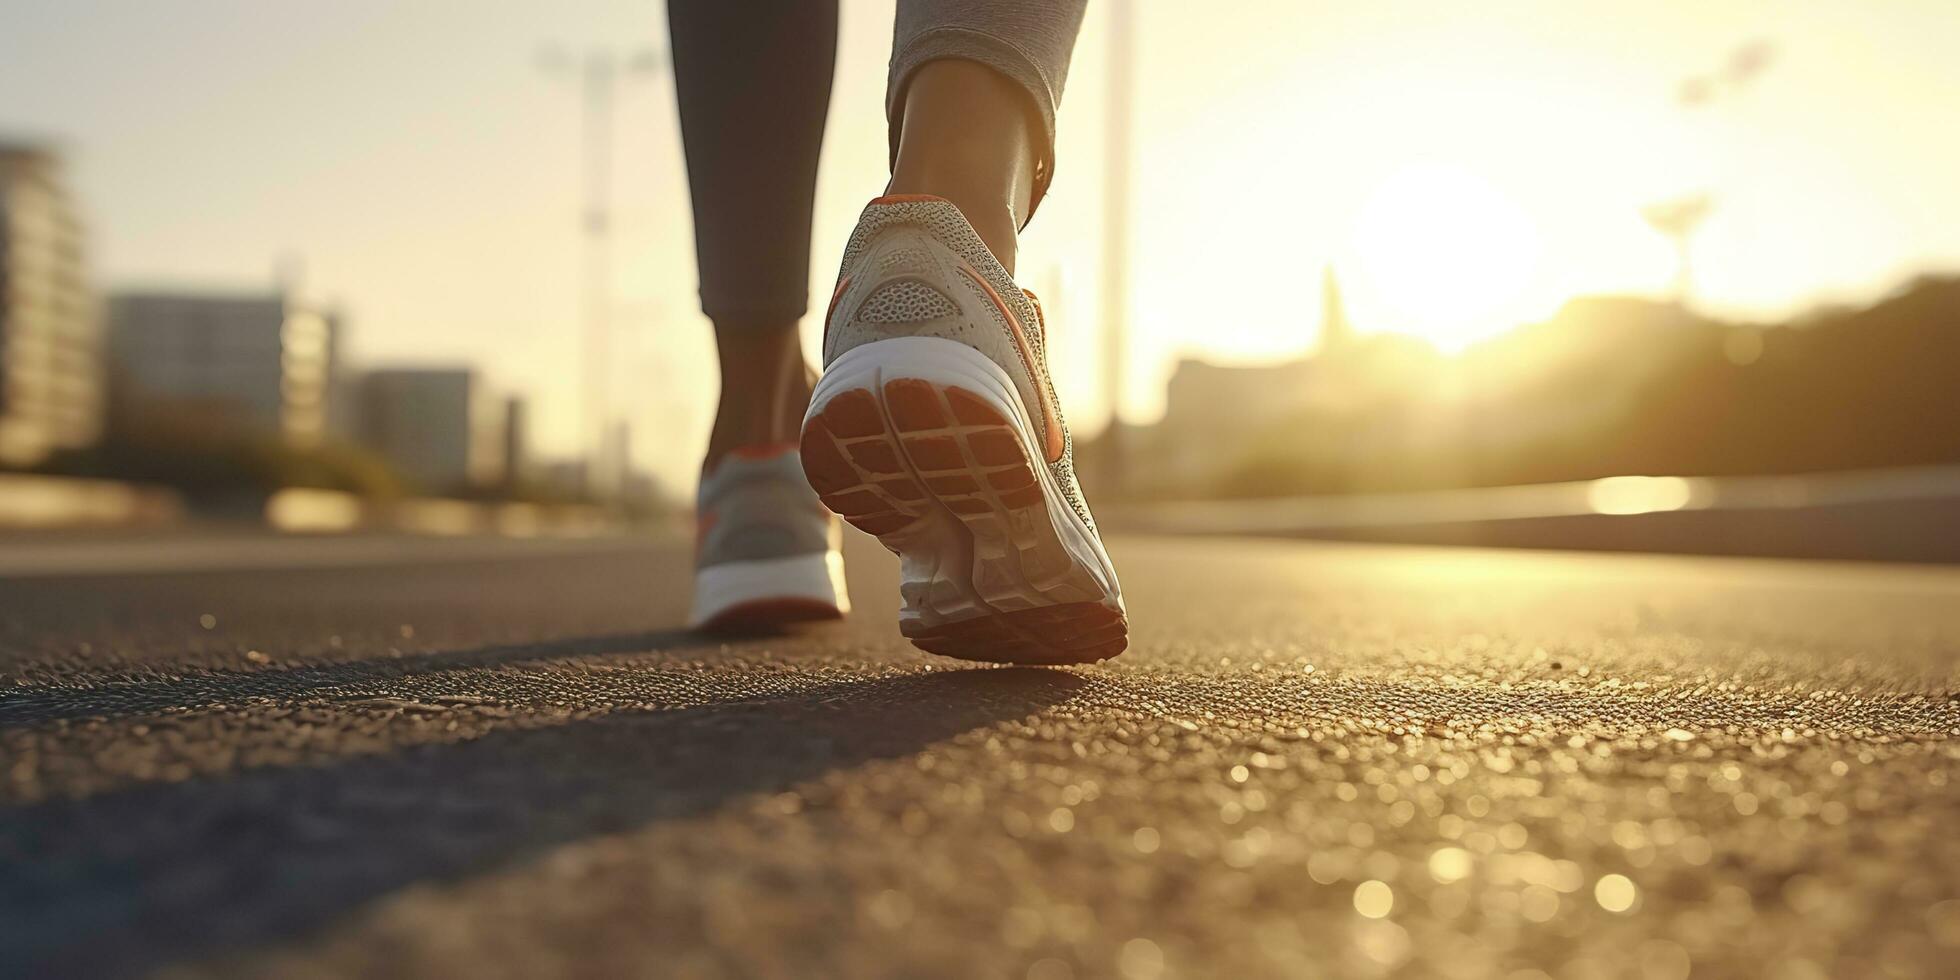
(200, 454)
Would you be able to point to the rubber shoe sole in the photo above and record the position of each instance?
(769, 595)
(923, 443)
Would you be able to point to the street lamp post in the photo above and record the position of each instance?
(599, 71)
(1680, 217)
(1117, 161)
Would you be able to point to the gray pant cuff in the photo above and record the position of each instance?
(966, 44)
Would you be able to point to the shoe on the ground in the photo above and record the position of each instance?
(766, 552)
(935, 428)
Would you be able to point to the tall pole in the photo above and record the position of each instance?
(600, 71)
(595, 131)
(1678, 219)
(1117, 162)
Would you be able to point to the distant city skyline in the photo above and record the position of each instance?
(1465, 169)
(51, 390)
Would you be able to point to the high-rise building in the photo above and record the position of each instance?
(617, 464)
(50, 334)
(421, 421)
(255, 360)
(516, 443)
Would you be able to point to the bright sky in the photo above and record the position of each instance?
(1464, 165)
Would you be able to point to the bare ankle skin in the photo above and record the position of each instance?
(966, 136)
(765, 386)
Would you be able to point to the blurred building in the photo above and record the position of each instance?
(616, 461)
(1336, 330)
(565, 478)
(51, 390)
(422, 421)
(1213, 413)
(254, 361)
(516, 443)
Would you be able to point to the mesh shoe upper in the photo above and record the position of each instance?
(915, 268)
(755, 506)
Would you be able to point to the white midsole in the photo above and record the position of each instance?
(815, 577)
(949, 362)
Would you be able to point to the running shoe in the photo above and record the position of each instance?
(935, 428)
(766, 551)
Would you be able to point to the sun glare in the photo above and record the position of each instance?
(1444, 252)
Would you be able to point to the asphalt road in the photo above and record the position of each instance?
(1316, 760)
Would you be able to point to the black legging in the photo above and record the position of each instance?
(753, 79)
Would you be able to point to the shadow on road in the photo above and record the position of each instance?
(123, 698)
(132, 880)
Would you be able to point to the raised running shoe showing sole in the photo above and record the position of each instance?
(925, 443)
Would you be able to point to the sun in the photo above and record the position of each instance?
(1446, 255)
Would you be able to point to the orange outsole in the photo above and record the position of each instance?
(947, 447)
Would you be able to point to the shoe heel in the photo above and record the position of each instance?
(916, 445)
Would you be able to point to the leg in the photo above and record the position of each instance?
(973, 93)
(753, 80)
(935, 426)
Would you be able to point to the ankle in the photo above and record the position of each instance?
(967, 136)
(765, 386)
